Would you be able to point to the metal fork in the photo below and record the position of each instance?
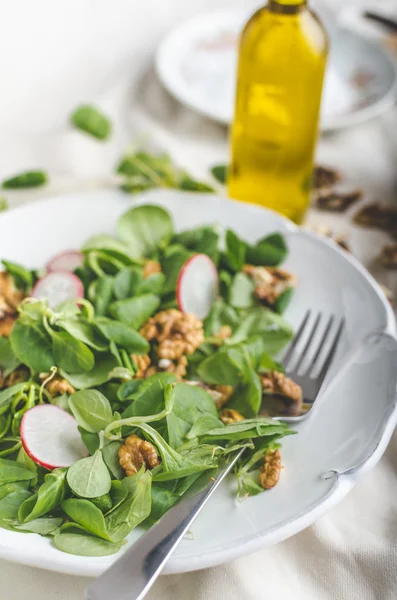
(308, 367)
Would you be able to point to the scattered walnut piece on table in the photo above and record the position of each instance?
(337, 201)
(379, 216)
(228, 415)
(136, 452)
(390, 296)
(151, 267)
(339, 238)
(281, 395)
(57, 385)
(270, 472)
(325, 177)
(270, 282)
(388, 257)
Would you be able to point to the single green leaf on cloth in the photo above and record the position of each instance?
(85, 545)
(91, 120)
(49, 495)
(70, 354)
(91, 410)
(89, 477)
(220, 173)
(135, 311)
(145, 228)
(32, 345)
(29, 179)
(3, 204)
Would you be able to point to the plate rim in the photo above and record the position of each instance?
(344, 482)
(360, 115)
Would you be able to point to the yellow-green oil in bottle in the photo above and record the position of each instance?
(282, 60)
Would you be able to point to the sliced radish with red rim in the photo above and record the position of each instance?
(50, 437)
(58, 287)
(197, 286)
(69, 260)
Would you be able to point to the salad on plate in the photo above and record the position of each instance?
(130, 369)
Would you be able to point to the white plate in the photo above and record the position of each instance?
(197, 64)
(349, 427)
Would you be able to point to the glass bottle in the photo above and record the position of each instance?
(282, 60)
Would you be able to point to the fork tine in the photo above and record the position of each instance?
(308, 343)
(331, 351)
(296, 339)
(320, 345)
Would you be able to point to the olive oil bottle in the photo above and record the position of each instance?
(283, 54)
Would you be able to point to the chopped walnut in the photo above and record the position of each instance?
(18, 376)
(221, 394)
(281, 395)
(10, 297)
(377, 215)
(270, 282)
(388, 257)
(338, 238)
(177, 367)
(224, 333)
(337, 200)
(228, 415)
(136, 452)
(57, 385)
(150, 268)
(388, 293)
(270, 472)
(142, 364)
(325, 177)
(177, 335)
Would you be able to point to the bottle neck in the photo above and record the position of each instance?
(291, 7)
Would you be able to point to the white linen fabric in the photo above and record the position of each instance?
(350, 554)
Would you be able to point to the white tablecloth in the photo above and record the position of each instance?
(351, 554)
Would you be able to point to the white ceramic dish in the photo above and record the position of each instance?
(197, 62)
(345, 434)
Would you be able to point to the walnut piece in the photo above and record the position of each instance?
(270, 472)
(339, 238)
(150, 268)
(136, 452)
(388, 257)
(220, 394)
(228, 415)
(281, 395)
(57, 385)
(224, 333)
(177, 335)
(379, 216)
(10, 297)
(142, 364)
(325, 177)
(18, 376)
(270, 282)
(336, 200)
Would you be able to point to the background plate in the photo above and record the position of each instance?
(349, 426)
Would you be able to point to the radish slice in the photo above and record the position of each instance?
(58, 287)
(197, 286)
(50, 437)
(66, 261)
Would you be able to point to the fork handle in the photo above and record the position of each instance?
(131, 577)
